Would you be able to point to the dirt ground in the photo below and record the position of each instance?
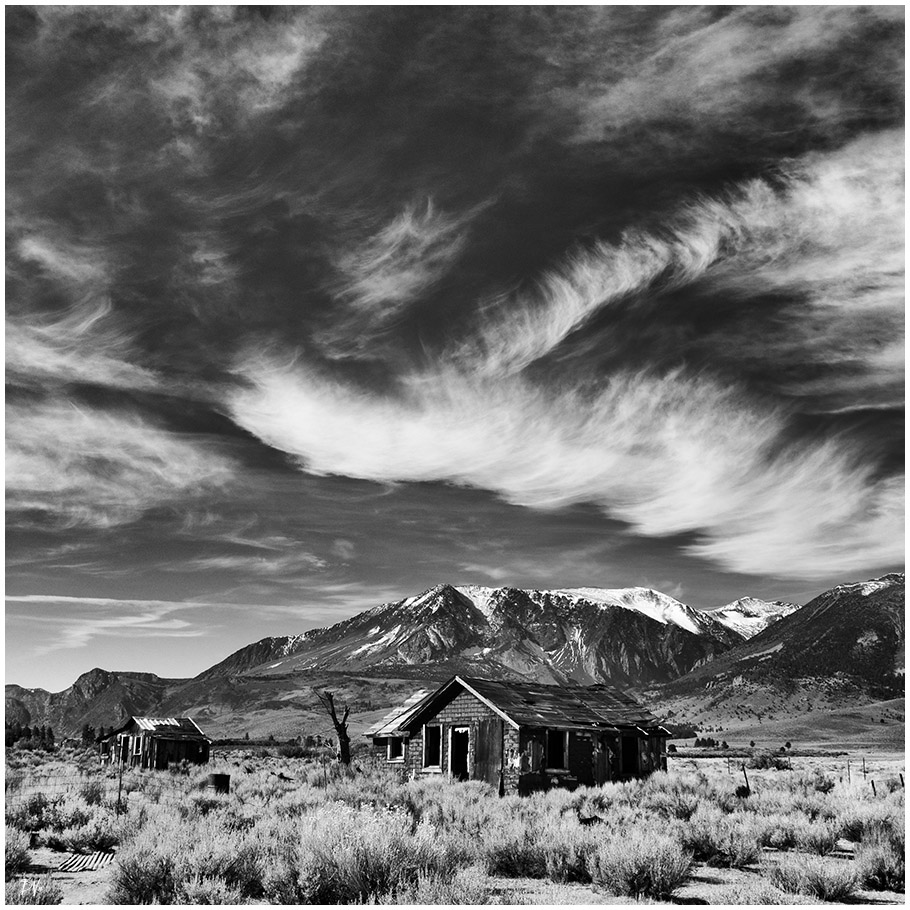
(705, 886)
(78, 887)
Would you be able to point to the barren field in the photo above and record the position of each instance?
(299, 831)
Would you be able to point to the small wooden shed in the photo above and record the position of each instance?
(155, 742)
(522, 736)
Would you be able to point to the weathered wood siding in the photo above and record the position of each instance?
(464, 710)
(379, 749)
(147, 749)
(511, 764)
(650, 755)
(488, 752)
(514, 760)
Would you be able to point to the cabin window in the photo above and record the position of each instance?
(432, 747)
(396, 749)
(557, 750)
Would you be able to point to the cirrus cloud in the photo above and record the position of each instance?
(670, 452)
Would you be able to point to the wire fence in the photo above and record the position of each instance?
(112, 789)
(124, 786)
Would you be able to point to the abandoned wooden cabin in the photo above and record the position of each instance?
(522, 736)
(155, 742)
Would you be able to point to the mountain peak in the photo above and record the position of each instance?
(748, 616)
(654, 604)
(866, 588)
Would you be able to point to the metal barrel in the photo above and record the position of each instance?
(220, 783)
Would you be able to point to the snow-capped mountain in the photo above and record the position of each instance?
(749, 615)
(660, 607)
(628, 636)
(847, 643)
(852, 634)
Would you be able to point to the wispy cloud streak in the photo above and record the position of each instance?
(81, 466)
(669, 452)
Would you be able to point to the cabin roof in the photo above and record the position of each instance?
(529, 704)
(178, 727)
(398, 715)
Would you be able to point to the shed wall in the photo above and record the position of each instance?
(464, 710)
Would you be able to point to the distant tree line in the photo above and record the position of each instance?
(709, 742)
(24, 736)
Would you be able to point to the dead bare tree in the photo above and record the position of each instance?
(327, 700)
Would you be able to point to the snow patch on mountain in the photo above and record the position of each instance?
(386, 639)
(748, 616)
(481, 597)
(870, 587)
(660, 607)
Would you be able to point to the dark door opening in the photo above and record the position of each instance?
(629, 756)
(458, 760)
(581, 758)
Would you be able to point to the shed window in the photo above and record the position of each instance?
(432, 747)
(396, 749)
(556, 749)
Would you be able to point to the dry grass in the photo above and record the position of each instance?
(815, 876)
(880, 863)
(293, 832)
(641, 865)
(16, 850)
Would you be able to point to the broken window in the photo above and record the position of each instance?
(556, 749)
(432, 747)
(396, 749)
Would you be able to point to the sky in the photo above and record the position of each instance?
(312, 308)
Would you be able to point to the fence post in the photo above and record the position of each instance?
(848, 770)
(120, 787)
(864, 767)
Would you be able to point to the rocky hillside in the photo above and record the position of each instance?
(844, 648)
(97, 697)
(627, 637)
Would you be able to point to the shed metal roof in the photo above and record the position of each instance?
(528, 704)
(176, 726)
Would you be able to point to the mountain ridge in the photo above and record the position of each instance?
(845, 647)
(575, 635)
(620, 636)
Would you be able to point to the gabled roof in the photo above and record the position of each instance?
(389, 724)
(528, 704)
(176, 726)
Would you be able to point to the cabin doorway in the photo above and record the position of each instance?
(459, 739)
(629, 756)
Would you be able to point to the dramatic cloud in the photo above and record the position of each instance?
(369, 296)
(671, 452)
